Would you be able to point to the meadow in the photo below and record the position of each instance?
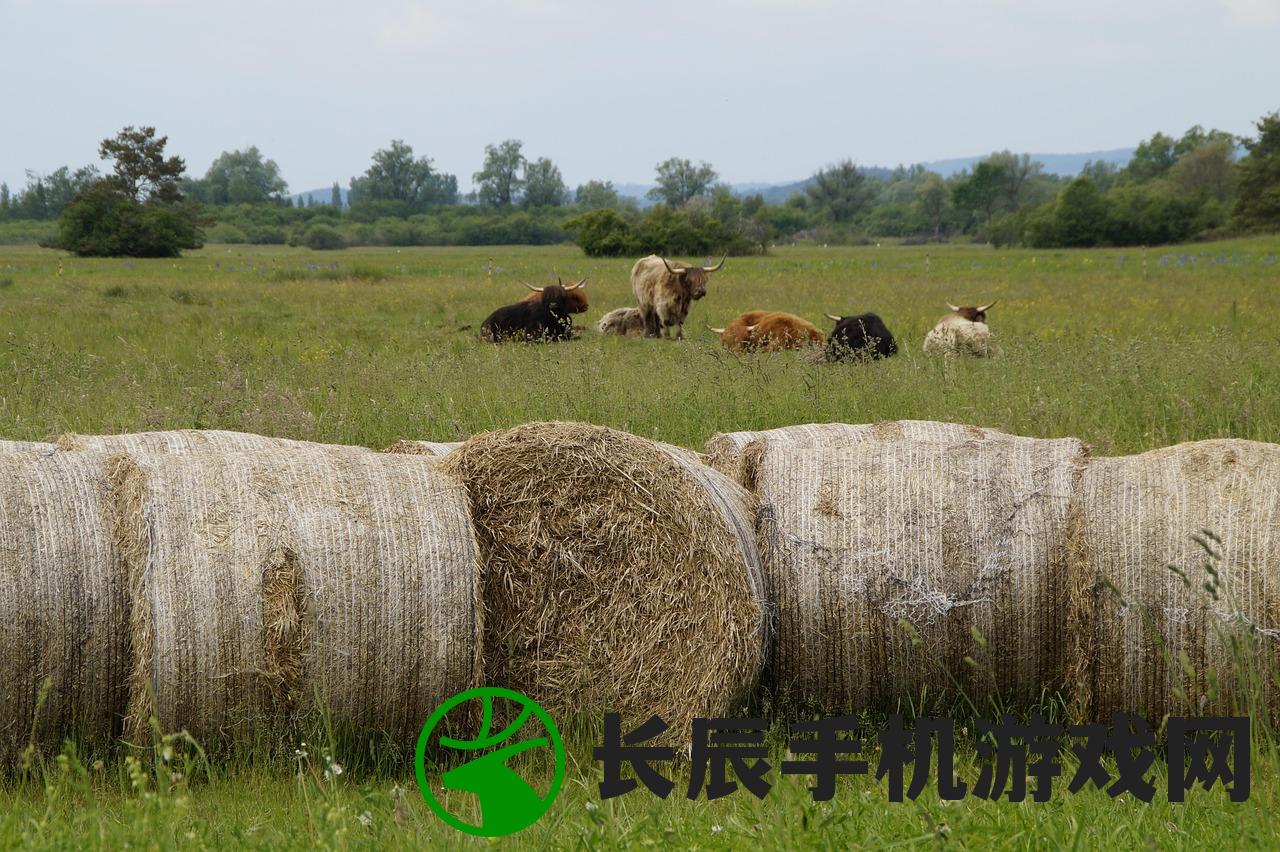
(1128, 349)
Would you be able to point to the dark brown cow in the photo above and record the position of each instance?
(577, 303)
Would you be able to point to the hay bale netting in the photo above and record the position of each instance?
(63, 611)
(185, 441)
(1147, 642)
(737, 454)
(423, 448)
(884, 558)
(26, 447)
(270, 585)
(613, 580)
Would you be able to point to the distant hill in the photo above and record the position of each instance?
(319, 196)
(1067, 165)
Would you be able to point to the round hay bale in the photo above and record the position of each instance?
(423, 448)
(888, 560)
(268, 587)
(186, 441)
(613, 580)
(1148, 641)
(63, 611)
(26, 447)
(732, 453)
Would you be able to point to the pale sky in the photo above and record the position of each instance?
(766, 90)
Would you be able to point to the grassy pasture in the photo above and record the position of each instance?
(1129, 350)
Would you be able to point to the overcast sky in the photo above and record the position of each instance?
(766, 90)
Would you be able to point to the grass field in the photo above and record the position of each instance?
(1126, 349)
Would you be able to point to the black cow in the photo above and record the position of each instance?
(858, 337)
(545, 319)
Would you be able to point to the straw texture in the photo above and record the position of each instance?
(1146, 640)
(891, 562)
(185, 441)
(269, 584)
(731, 452)
(62, 605)
(613, 578)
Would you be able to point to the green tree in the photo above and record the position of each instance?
(5, 198)
(242, 177)
(396, 175)
(1207, 170)
(596, 195)
(603, 233)
(335, 196)
(931, 202)
(138, 210)
(679, 181)
(981, 194)
(840, 193)
(499, 182)
(140, 168)
(1102, 173)
(1258, 183)
(1080, 216)
(543, 185)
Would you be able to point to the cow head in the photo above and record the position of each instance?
(972, 314)
(694, 277)
(575, 297)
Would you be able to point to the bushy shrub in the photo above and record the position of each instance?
(603, 233)
(103, 221)
(322, 237)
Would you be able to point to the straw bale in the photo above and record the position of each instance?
(1146, 640)
(184, 441)
(270, 585)
(423, 448)
(887, 560)
(26, 447)
(731, 453)
(614, 577)
(62, 605)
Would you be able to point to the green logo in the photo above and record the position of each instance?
(508, 803)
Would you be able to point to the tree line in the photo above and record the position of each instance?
(1203, 183)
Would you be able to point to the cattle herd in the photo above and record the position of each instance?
(664, 291)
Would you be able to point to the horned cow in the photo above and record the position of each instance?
(964, 331)
(577, 303)
(769, 331)
(860, 337)
(546, 318)
(664, 291)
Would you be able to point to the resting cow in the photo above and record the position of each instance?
(860, 337)
(626, 322)
(577, 303)
(769, 331)
(964, 331)
(547, 318)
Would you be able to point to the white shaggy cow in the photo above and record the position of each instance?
(664, 290)
(964, 331)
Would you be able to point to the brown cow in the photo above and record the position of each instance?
(577, 302)
(664, 290)
(769, 331)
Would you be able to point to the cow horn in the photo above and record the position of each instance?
(953, 307)
(833, 317)
(669, 269)
(716, 330)
(715, 268)
(984, 308)
(752, 328)
(581, 283)
(531, 287)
